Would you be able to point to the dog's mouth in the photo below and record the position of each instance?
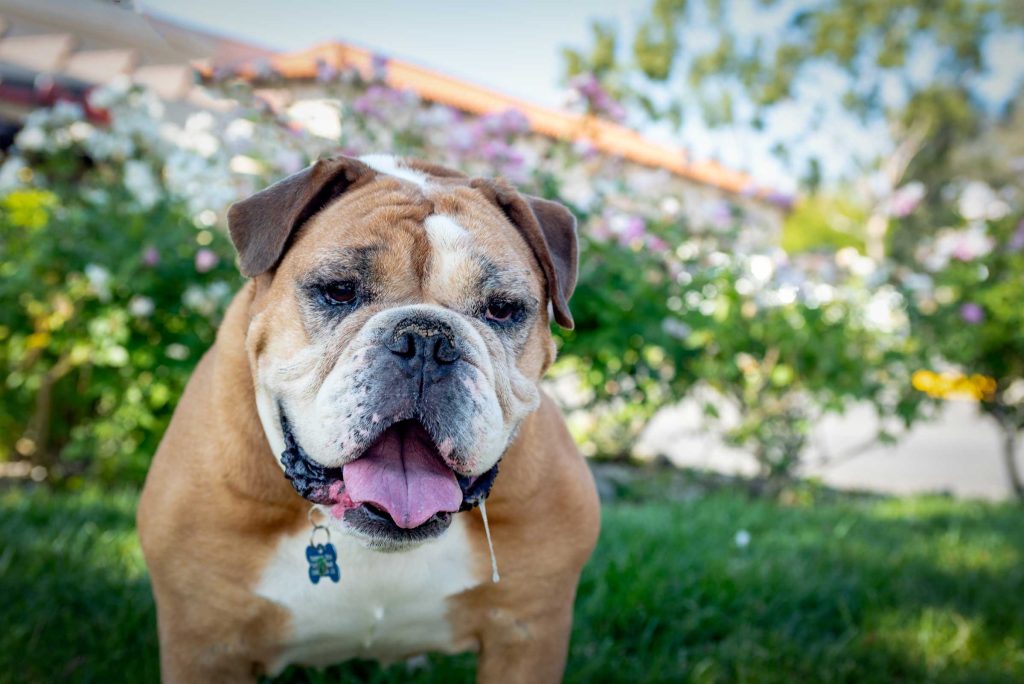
(403, 475)
(399, 489)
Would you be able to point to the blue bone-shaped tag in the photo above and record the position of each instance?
(323, 562)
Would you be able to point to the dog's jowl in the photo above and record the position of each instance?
(370, 404)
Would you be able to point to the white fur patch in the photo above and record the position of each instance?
(387, 606)
(444, 232)
(450, 250)
(390, 166)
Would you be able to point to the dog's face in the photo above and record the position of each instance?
(401, 328)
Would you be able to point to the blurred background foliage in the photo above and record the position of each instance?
(116, 268)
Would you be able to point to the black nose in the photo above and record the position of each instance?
(426, 344)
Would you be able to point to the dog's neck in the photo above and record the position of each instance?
(251, 469)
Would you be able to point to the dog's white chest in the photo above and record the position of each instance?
(386, 606)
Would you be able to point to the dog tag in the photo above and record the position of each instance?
(323, 562)
(322, 558)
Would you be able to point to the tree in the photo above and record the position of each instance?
(749, 64)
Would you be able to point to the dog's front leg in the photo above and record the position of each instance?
(525, 650)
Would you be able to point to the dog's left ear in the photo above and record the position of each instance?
(261, 225)
(550, 231)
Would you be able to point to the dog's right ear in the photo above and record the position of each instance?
(261, 225)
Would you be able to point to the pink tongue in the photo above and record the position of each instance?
(403, 474)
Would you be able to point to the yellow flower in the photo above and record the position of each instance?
(28, 208)
(38, 340)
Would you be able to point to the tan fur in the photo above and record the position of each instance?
(216, 502)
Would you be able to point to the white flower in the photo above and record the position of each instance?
(178, 352)
(66, 112)
(95, 196)
(81, 130)
(99, 280)
(742, 539)
(10, 173)
(965, 245)
(193, 297)
(918, 282)
(979, 201)
(199, 122)
(206, 300)
(205, 218)
(885, 311)
(203, 184)
(676, 328)
(1014, 394)
(761, 268)
(322, 118)
(687, 250)
(104, 145)
(245, 165)
(863, 266)
(197, 136)
(846, 256)
(203, 144)
(718, 259)
(110, 94)
(239, 131)
(670, 206)
(141, 306)
(30, 139)
(218, 291)
(139, 179)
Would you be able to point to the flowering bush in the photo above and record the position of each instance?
(768, 344)
(110, 290)
(966, 307)
(117, 271)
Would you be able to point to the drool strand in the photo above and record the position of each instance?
(490, 545)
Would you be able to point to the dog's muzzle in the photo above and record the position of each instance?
(323, 485)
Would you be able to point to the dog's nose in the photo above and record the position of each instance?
(424, 343)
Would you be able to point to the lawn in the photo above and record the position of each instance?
(844, 590)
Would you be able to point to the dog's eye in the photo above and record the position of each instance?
(502, 311)
(339, 293)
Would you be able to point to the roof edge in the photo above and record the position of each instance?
(606, 136)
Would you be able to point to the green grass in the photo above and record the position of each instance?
(847, 590)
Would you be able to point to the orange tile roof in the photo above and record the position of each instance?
(606, 136)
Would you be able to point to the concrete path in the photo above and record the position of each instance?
(959, 453)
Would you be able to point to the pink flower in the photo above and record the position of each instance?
(906, 199)
(206, 260)
(962, 251)
(600, 229)
(1017, 239)
(151, 256)
(507, 122)
(379, 65)
(656, 244)
(379, 100)
(721, 215)
(325, 73)
(585, 149)
(972, 313)
(635, 229)
(599, 101)
(288, 161)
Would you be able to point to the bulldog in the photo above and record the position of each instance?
(363, 464)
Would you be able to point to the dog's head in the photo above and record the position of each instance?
(400, 327)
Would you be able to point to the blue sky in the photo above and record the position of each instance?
(512, 46)
(515, 47)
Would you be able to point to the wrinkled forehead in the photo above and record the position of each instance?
(445, 234)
